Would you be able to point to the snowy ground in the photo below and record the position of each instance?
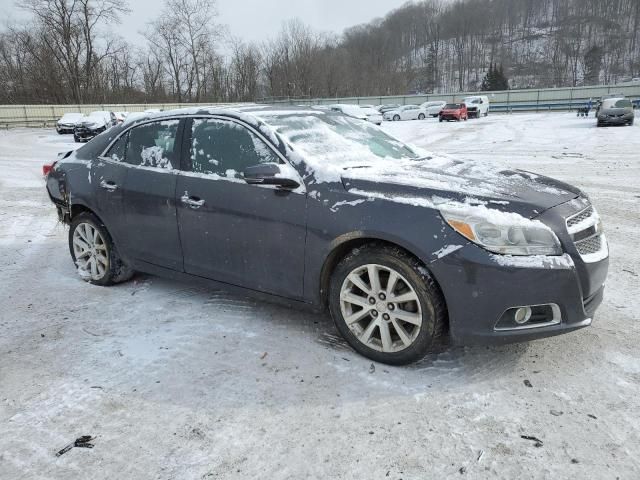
(180, 382)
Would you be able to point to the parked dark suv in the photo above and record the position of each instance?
(324, 210)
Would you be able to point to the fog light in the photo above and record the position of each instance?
(522, 315)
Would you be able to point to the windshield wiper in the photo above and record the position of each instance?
(357, 166)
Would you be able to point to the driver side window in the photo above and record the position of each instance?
(225, 148)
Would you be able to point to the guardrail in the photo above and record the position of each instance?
(570, 98)
(48, 115)
(551, 99)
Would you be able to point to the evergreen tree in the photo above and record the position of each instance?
(487, 81)
(495, 79)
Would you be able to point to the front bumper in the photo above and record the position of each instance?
(450, 116)
(64, 128)
(479, 287)
(617, 120)
(83, 133)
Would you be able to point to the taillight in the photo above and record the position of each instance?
(46, 168)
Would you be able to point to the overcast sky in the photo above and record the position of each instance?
(256, 20)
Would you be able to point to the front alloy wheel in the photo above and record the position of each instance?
(380, 308)
(386, 304)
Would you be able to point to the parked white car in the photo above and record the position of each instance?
(67, 122)
(433, 108)
(406, 112)
(477, 106)
(356, 111)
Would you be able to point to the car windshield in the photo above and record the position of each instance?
(338, 141)
(617, 103)
(453, 105)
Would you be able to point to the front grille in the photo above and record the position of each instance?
(585, 230)
(590, 245)
(575, 220)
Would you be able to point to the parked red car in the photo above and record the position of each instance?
(454, 111)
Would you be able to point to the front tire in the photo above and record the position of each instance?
(93, 252)
(386, 305)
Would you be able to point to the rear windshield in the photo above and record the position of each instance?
(453, 105)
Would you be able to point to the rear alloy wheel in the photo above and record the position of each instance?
(93, 252)
(386, 305)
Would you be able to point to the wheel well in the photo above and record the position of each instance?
(77, 209)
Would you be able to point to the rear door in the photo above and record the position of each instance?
(412, 112)
(107, 176)
(149, 207)
(247, 235)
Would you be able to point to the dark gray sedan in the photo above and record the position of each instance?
(317, 209)
(615, 111)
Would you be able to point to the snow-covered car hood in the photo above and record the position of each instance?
(92, 122)
(516, 191)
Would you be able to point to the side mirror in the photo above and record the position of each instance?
(269, 174)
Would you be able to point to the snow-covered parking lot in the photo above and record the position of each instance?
(179, 382)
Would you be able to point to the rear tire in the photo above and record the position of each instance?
(421, 116)
(396, 333)
(396, 118)
(93, 252)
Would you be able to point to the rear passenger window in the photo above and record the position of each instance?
(225, 148)
(118, 150)
(154, 145)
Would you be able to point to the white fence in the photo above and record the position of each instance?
(510, 100)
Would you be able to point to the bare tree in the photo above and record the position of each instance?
(68, 30)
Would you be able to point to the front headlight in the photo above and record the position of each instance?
(504, 233)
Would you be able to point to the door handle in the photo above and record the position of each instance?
(193, 202)
(110, 186)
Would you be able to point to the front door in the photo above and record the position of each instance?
(246, 235)
(149, 208)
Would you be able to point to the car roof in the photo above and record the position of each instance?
(237, 110)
